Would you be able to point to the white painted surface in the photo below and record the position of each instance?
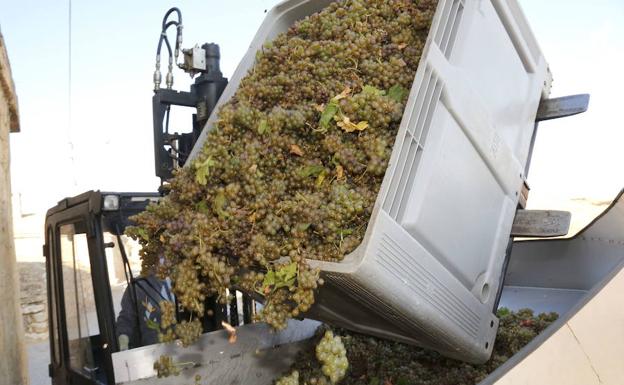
(588, 349)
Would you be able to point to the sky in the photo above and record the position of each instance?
(99, 135)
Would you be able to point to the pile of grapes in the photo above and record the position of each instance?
(374, 361)
(292, 168)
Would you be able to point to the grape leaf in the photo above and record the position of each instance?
(285, 275)
(339, 172)
(312, 170)
(148, 306)
(202, 207)
(269, 279)
(252, 218)
(294, 149)
(320, 178)
(332, 108)
(142, 233)
(348, 126)
(152, 324)
(328, 113)
(202, 170)
(370, 90)
(342, 95)
(303, 226)
(218, 205)
(343, 232)
(502, 312)
(397, 93)
(263, 126)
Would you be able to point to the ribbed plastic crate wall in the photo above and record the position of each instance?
(429, 267)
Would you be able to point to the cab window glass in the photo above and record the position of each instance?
(118, 272)
(80, 312)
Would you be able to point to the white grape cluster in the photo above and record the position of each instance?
(165, 367)
(291, 379)
(333, 355)
(295, 161)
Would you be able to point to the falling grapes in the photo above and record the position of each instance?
(165, 367)
(291, 379)
(333, 357)
(168, 316)
(292, 167)
(188, 331)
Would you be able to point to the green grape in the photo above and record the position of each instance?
(167, 336)
(165, 367)
(188, 331)
(291, 379)
(168, 314)
(283, 174)
(332, 354)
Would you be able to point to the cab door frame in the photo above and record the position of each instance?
(86, 209)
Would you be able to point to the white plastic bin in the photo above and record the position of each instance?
(430, 265)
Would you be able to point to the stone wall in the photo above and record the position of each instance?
(33, 299)
(13, 362)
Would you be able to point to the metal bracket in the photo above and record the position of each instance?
(556, 108)
(194, 60)
(540, 223)
(561, 107)
(524, 195)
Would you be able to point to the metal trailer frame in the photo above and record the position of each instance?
(565, 275)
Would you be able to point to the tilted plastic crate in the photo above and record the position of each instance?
(430, 265)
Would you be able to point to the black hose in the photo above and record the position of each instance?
(163, 37)
(178, 24)
(169, 24)
(169, 12)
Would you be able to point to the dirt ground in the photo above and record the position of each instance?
(38, 359)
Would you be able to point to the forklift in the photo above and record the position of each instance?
(90, 263)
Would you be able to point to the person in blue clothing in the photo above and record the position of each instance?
(135, 318)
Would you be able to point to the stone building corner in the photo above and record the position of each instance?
(13, 363)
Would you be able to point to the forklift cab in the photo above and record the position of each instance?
(87, 272)
(90, 263)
